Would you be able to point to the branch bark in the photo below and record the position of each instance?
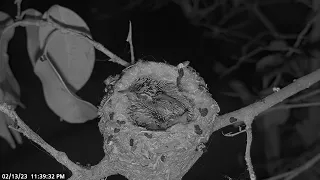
(248, 113)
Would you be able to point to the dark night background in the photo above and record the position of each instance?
(163, 35)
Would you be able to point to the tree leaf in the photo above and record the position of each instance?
(5, 37)
(272, 147)
(268, 61)
(8, 82)
(5, 121)
(244, 93)
(9, 87)
(33, 44)
(237, 3)
(309, 128)
(58, 97)
(315, 32)
(219, 68)
(275, 117)
(278, 45)
(72, 56)
(4, 131)
(271, 79)
(269, 125)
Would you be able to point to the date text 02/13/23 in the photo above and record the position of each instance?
(17, 176)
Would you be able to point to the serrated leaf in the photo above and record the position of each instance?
(33, 44)
(73, 56)
(60, 100)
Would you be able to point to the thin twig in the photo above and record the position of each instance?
(301, 36)
(248, 150)
(44, 22)
(21, 127)
(265, 20)
(18, 3)
(242, 60)
(232, 13)
(129, 39)
(100, 47)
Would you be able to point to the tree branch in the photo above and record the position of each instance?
(21, 127)
(247, 114)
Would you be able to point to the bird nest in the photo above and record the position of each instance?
(155, 118)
